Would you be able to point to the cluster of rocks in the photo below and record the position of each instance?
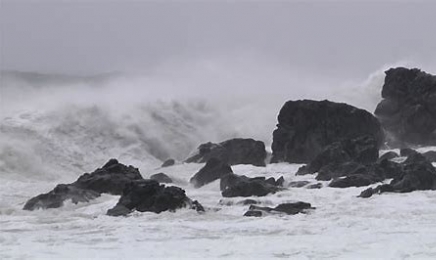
(116, 179)
(338, 142)
(415, 173)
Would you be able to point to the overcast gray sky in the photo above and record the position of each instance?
(96, 36)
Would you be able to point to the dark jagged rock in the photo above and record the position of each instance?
(363, 149)
(364, 175)
(233, 152)
(233, 185)
(150, 196)
(111, 178)
(287, 208)
(416, 173)
(408, 108)
(407, 152)
(169, 162)
(213, 170)
(60, 194)
(430, 155)
(306, 127)
(332, 171)
(388, 156)
(161, 178)
(356, 180)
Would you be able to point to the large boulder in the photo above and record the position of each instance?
(233, 185)
(233, 152)
(112, 178)
(306, 127)
(150, 196)
(408, 109)
(213, 170)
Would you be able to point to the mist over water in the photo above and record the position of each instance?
(54, 124)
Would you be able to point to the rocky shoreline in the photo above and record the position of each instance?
(338, 142)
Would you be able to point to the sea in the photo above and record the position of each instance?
(55, 127)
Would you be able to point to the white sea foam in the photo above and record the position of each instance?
(54, 128)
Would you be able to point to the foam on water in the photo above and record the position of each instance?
(54, 128)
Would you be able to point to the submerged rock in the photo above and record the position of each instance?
(233, 152)
(306, 127)
(150, 196)
(287, 208)
(233, 185)
(408, 108)
(213, 170)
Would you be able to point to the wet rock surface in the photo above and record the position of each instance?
(348, 153)
(285, 208)
(212, 171)
(111, 178)
(150, 196)
(306, 127)
(408, 108)
(232, 152)
(233, 185)
(416, 173)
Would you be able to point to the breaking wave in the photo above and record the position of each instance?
(54, 125)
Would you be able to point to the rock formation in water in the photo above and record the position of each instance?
(306, 127)
(408, 109)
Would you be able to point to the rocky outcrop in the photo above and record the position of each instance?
(118, 179)
(150, 196)
(111, 178)
(361, 150)
(408, 108)
(233, 185)
(233, 152)
(416, 173)
(213, 170)
(306, 127)
(286, 208)
(60, 194)
(161, 178)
